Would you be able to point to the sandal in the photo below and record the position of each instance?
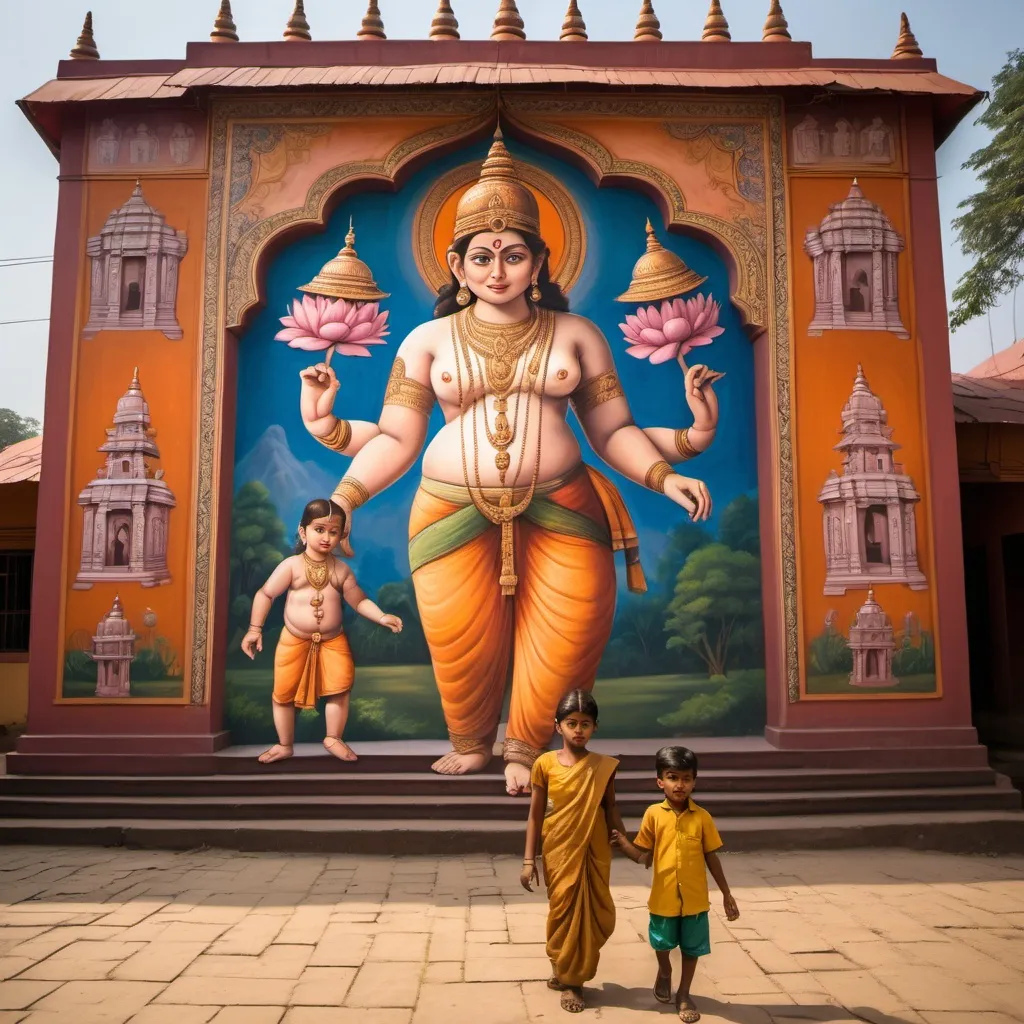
(663, 988)
(687, 1011)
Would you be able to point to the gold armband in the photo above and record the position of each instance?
(402, 390)
(351, 493)
(657, 475)
(683, 446)
(596, 391)
(339, 438)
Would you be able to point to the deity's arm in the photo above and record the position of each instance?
(316, 404)
(604, 414)
(402, 428)
(677, 446)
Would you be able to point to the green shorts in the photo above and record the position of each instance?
(690, 933)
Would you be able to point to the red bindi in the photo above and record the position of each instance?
(497, 243)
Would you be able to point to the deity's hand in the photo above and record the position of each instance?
(319, 387)
(252, 642)
(344, 543)
(700, 395)
(392, 622)
(691, 494)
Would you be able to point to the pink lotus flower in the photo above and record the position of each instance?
(671, 331)
(317, 323)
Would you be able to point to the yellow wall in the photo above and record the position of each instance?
(17, 533)
(13, 691)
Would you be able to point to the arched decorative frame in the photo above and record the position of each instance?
(236, 253)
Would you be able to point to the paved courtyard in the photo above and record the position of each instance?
(151, 937)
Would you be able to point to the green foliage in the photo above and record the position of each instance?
(736, 708)
(911, 660)
(15, 428)
(683, 539)
(830, 655)
(717, 605)
(739, 527)
(79, 667)
(374, 645)
(991, 228)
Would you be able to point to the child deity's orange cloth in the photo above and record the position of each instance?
(554, 628)
(305, 670)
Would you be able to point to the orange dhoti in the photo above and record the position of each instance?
(305, 670)
(551, 632)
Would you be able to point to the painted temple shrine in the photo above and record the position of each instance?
(872, 645)
(113, 650)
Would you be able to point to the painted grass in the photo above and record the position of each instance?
(841, 684)
(143, 688)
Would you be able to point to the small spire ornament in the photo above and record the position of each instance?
(574, 29)
(648, 28)
(297, 29)
(508, 23)
(85, 48)
(716, 28)
(906, 45)
(445, 25)
(224, 28)
(776, 28)
(372, 26)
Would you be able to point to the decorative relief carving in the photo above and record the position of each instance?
(844, 136)
(741, 144)
(156, 141)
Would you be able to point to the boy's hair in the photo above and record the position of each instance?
(318, 508)
(678, 759)
(579, 702)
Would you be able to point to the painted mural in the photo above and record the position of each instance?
(128, 549)
(503, 505)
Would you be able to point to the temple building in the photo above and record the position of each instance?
(868, 514)
(135, 265)
(872, 645)
(113, 650)
(127, 506)
(855, 252)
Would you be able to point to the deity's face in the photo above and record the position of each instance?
(498, 267)
(321, 536)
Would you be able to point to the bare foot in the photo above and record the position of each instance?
(278, 752)
(687, 1011)
(572, 1000)
(663, 988)
(462, 764)
(340, 749)
(517, 779)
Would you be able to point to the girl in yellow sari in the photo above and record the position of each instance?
(572, 809)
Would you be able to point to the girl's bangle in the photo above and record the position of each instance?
(528, 861)
(254, 626)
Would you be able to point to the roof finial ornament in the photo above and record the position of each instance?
(372, 26)
(776, 28)
(85, 48)
(648, 28)
(508, 23)
(906, 45)
(574, 29)
(716, 28)
(224, 28)
(297, 29)
(445, 25)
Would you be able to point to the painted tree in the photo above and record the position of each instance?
(739, 527)
(15, 428)
(991, 228)
(717, 604)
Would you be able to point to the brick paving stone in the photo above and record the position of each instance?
(824, 962)
(83, 961)
(306, 926)
(386, 985)
(519, 969)
(407, 946)
(322, 1015)
(446, 973)
(87, 1001)
(250, 936)
(42, 946)
(249, 1015)
(155, 1014)
(323, 986)
(18, 994)
(283, 962)
(228, 991)
(497, 1003)
(158, 962)
(340, 949)
(770, 958)
(973, 1017)
(11, 966)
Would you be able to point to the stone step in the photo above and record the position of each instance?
(951, 831)
(267, 784)
(457, 806)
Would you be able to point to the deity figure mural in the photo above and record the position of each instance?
(144, 147)
(511, 536)
(180, 144)
(108, 142)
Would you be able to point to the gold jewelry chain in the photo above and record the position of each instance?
(317, 575)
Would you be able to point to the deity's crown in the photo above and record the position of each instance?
(498, 201)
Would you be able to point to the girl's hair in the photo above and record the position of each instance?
(318, 508)
(579, 702)
(551, 296)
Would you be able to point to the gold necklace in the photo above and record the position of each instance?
(317, 575)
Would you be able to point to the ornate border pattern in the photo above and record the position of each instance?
(762, 271)
(435, 274)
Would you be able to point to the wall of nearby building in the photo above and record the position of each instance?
(17, 533)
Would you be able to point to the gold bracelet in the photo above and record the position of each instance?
(683, 446)
(657, 475)
(351, 492)
(596, 391)
(339, 438)
(403, 390)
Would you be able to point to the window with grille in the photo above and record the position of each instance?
(15, 599)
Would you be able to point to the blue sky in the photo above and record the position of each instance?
(968, 47)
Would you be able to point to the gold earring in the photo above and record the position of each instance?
(462, 296)
(535, 292)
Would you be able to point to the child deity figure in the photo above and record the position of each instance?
(511, 535)
(313, 658)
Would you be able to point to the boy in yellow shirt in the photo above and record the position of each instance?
(681, 841)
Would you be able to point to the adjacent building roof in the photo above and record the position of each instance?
(21, 461)
(1006, 365)
(987, 399)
